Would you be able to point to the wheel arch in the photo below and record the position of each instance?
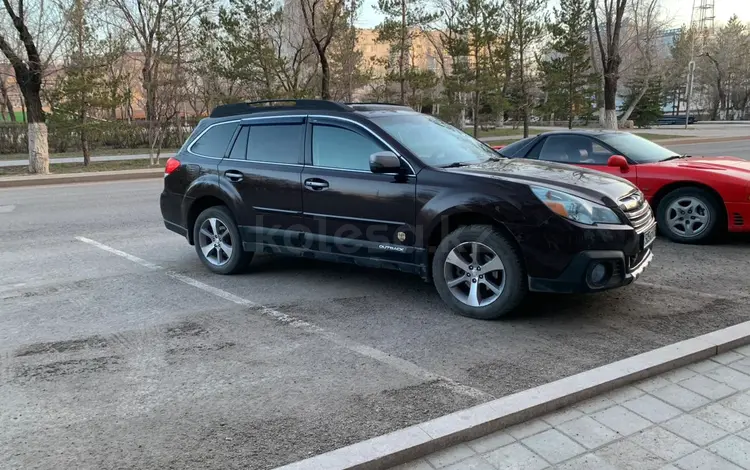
(668, 188)
(448, 222)
(197, 206)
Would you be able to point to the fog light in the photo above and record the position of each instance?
(599, 274)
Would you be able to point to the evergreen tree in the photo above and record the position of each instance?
(567, 78)
(648, 110)
(403, 21)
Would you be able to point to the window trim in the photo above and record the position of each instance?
(367, 131)
(235, 138)
(200, 136)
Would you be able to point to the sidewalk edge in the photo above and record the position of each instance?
(416, 441)
(93, 177)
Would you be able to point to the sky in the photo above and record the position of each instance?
(678, 11)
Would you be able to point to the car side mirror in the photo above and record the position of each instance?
(385, 162)
(618, 161)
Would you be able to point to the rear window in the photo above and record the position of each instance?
(214, 142)
(516, 149)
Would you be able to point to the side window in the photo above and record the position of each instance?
(336, 147)
(566, 149)
(599, 154)
(276, 143)
(215, 141)
(240, 145)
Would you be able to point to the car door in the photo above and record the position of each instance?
(582, 150)
(262, 172)
(348, 209)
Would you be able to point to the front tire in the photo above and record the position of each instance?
(218, 243)
(479, 273)
(689, 215)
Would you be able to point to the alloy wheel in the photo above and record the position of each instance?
(215, 241)
(475, 274)
(688, 216)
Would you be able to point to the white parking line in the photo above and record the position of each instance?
(397, 363)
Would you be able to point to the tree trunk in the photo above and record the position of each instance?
(6, 100)
(401, 58)
(610, 102)
(570, 94)
(325, 82)
(631, 108)
(524, 97)
(38, 145)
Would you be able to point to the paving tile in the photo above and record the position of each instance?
(652, 408)
(624, 394)
(587, 462)
(588, 432)
(553, 446)
(703, 366)
(472, 463)
(680, 397)
(515, 457)
(744, 350)
(731, 377)
(743, 365)
(649, 385)
(734, 449)
(663, 443)
(491, 442)
(744, 434)
(671, 467)
(695, 430)
(420, 464)
(727, 357)
(626, 455)
(722, 417)
(450, 455)
(709, 388)
(704, 460)
(559, 417)
(527, 429)
(678, 375)
(738, 402)
(621, 420)
(595, 404)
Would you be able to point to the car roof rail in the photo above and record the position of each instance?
(375, 105)
(234, 109)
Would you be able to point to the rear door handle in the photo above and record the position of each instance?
(234, 176)
(316, 184)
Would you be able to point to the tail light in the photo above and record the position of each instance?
(172, 165)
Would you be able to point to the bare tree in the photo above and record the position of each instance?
(608, 40)
(323, 21)
(647, 26)
(29, 66)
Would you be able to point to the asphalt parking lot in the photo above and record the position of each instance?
(119, 350)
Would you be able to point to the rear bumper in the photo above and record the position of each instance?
(170, 204)
(621, 271)
(738, 214)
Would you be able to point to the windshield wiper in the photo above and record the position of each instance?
(675, 157)
(454, 165)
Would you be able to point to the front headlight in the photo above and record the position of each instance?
(574, 208)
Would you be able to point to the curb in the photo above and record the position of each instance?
(405, 445)
(93, 177)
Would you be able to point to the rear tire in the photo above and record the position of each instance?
(218, 242)
(479, 273)
(690, 215)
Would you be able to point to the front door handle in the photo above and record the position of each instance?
(316, 184)
(234, 176)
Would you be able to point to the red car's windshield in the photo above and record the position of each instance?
(637, 148)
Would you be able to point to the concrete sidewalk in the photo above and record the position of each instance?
(102, 158)
(694, 417)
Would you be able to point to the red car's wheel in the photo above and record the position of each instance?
(689, 215)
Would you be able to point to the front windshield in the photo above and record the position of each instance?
(637, 148)
(435, 142)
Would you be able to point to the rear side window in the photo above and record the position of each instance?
(240, 145)
(276, 143)
(215, 141)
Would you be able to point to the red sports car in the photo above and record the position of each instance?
(695, 198)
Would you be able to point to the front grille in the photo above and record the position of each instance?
(738, 220)
(638, 211)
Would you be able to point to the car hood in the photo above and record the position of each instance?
(589, 184)
(724, 164)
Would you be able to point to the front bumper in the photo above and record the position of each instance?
(621, 271)
(738, 214)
